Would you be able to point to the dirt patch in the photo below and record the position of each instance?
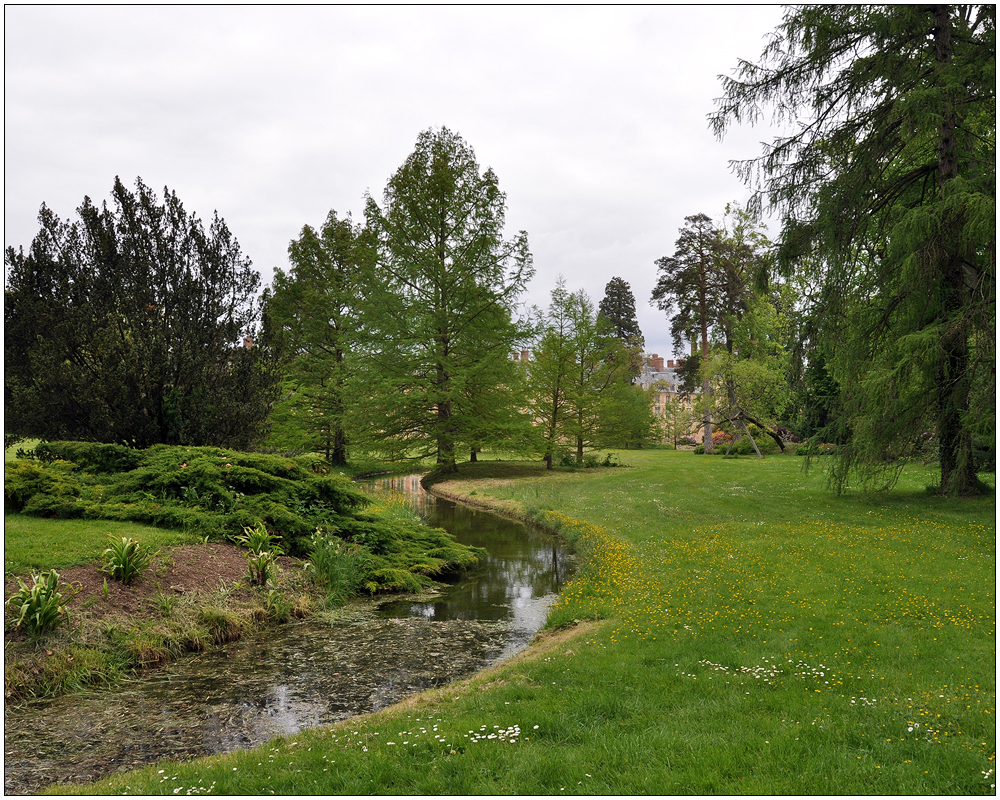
(176, 571)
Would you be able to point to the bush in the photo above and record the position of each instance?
(24, 480)
(91, 456)
(816, 449)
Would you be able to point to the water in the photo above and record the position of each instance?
(304, 674)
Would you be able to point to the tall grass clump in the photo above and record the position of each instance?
(339, 568)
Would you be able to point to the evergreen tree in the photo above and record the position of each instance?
(690, 287)
(314, 306)
(889, 177)
(617, 308)
(438, 301)
(135, 325)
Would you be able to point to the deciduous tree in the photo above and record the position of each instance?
(314, 306)
(439, 301)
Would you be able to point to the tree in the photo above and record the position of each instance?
(551, 372)
(617, 309)
(751, 331)
(314, 306)
(439, 300)
(689, 286)
(626, 417)
(753, 368)
(889, 177)
(136, 325)
(579, 366)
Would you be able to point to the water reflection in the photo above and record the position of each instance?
(300, 675)
(517, 581)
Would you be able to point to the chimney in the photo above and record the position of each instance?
(248, 342)
(670, 363)
(657, 363)
(525, 356)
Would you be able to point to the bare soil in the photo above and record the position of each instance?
(177, 571)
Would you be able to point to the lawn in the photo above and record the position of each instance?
(35, 543)
(755, 634)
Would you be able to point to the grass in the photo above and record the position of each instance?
(36, 543)
(745, 620)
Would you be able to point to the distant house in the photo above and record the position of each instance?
(663, 381)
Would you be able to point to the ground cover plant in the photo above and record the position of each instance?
(89, 510)
(219, 494)
(742, 618)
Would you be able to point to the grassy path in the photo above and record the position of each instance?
(755, 635)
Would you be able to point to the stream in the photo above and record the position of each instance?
(302, 674)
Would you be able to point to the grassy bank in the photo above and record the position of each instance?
(755, 635)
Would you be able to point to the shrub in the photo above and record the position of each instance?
(40, 606)
(24, 480)
(125, 559)
(91, 456)
(816, 449)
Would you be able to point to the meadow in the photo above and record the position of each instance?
(734, 628)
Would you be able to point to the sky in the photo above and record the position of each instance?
(593, 118)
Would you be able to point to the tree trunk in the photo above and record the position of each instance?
(958, 476)
(339, 457)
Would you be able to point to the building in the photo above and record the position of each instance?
(663, 381)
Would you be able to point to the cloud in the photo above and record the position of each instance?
(594, 118)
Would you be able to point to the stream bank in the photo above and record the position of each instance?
(304, 674)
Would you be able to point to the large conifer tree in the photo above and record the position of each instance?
(439, 301)
(314, 307)
(889, 176)
(128, 325)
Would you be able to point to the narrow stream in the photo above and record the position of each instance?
(303, 674)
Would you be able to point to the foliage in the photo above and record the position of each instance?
(127, 326)
(626, 418)
(812, 448)
(41, 606)
(338, 567)
(25, 480)
(259, 500)
(314, 307)
(92, 456)
(887, 180)
(437, 301)
(125, 559)
(578, 371)
(617, 309)
(691, 288)
(263, 548)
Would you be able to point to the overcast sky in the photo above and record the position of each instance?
(594, 119)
